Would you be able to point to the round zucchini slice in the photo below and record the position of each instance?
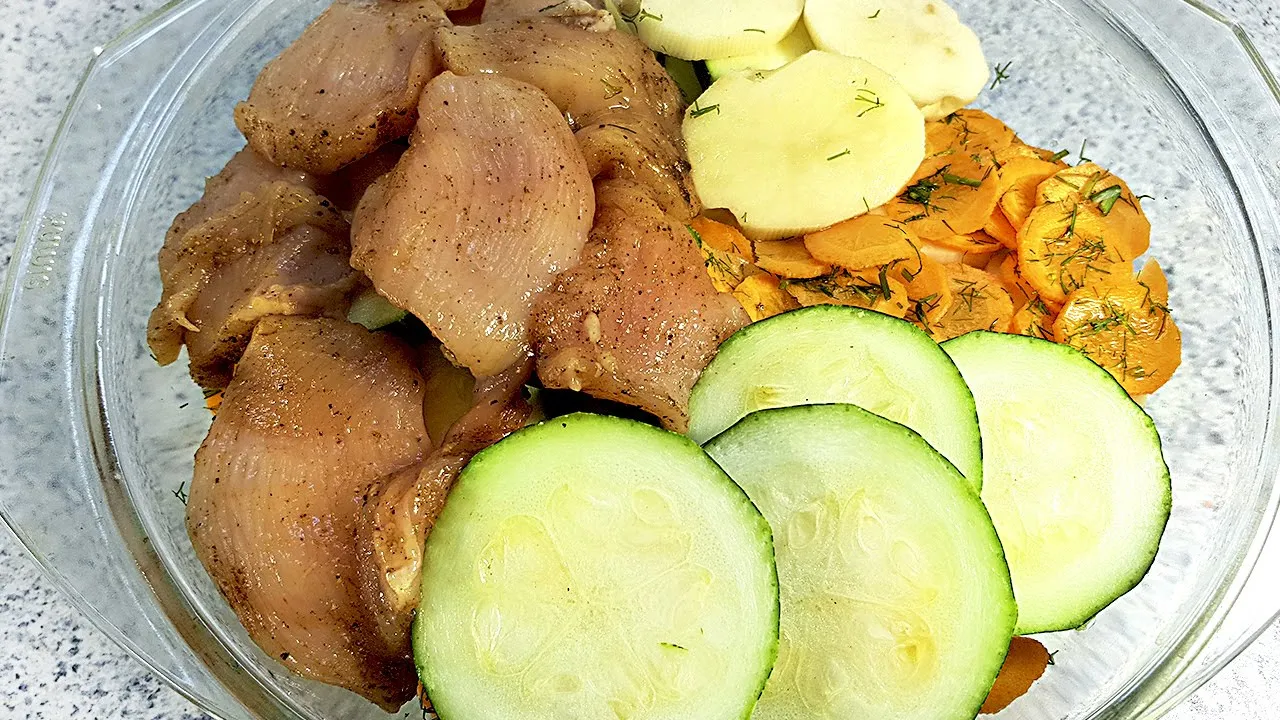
(593, 567)
(896, 599)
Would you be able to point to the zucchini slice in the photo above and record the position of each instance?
(896, 600)
(593, 567)
(831, 354)
(1075, 477)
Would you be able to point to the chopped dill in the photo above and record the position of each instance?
(873, 17)
(839, 155)
(1059, 155)
(1002, 74)
(697, 111)
(960, 180)
(1106, 198)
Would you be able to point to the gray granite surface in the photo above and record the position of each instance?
(53, 664)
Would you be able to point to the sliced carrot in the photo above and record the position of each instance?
(978, 243)
(1128, 229)
(1063, 247)
(789, 259)
(722, 237)
(1023, 666)
(1020, 149)
(979, 302)
(964, 133)
(928, 289)
(762, 297)
(873, 289)
(1035, 319)
(958, 199)
(213, 402)
(863, 242)
(999, 227)
(1122, 325)
(1152, 275)
(1019, 200)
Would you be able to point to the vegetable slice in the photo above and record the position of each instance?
(1025, 664)
(863, 242)
(373, 311)
(831, 354)
(706, 29)
(819, 141)
(923, 43)
(1064, 247)
(1124, 326)
(596, 567)
(1074, 477)
(896, 599)
(979, 302)
(792, 46)
(763, 297)
(869, 289)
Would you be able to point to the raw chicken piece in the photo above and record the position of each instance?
(491, 201)
(578, 13)
(191, 262)
(624, 106)
(638, 319)
(304, 272)
(348, 85)
(583, 73)
(401, 512)
(319, 411)
(347, 186)
(244, 173)
(624, 144)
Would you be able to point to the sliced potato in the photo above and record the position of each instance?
(1122, 325)
(792, 46)
(923, 43)
(762, 297)
(870, 289)
(789, 259)
(979, 302)
(1064, 247)
(706, 29)
(863, 242)
(819, 141)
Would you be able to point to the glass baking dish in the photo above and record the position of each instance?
(96, 441)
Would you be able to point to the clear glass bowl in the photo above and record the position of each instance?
(97, 441)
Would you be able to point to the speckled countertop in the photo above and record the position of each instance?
(53, 664)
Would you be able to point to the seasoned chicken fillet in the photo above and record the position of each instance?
(490, 202)
(625, 108)
(638, 319)
(346, 86)
(214, 286)
(319, 411)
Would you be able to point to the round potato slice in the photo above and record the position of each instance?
(922, 43)
(819, 141)
(710, 29)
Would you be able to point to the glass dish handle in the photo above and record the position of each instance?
(79, 528)
(1229, 85)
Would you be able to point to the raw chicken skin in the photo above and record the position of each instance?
(319, 410)
(490, 202)
(638, 319)
(348, 85)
